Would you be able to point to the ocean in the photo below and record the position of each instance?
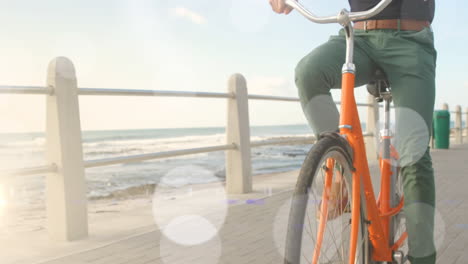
(27, 150)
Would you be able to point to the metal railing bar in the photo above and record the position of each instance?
(272, 98)
(7, 89)
(128, 92)
(291, 140)
(29, 171)
(159, 155)
(152, 156)
(358, 104)
(289, 99)
(283, 141)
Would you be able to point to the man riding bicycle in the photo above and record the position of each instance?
(400, 42)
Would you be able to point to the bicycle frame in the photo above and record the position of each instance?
(378, 212)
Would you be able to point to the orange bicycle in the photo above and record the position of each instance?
(335, 216)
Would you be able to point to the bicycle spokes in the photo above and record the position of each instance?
(324, 209)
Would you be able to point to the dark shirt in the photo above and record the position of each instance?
(404, 9)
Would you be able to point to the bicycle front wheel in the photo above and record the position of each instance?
(319, 225)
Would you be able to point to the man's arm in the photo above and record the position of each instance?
(280, 7)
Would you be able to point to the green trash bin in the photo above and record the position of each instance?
(442, 129)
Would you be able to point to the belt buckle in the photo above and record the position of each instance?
(365, 25)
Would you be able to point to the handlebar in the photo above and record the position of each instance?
(343, 18)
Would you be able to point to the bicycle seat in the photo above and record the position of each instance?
(379, 85)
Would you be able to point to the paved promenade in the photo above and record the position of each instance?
(253, 230)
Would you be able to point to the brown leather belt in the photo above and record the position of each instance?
(404, 24)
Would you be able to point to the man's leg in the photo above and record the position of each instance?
(320, 71)
(408, 58)
(316, 74)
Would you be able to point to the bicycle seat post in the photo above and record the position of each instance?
(386, 133)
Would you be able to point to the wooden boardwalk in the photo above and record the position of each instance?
(254, 232)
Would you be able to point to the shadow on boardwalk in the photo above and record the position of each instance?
(254, 232)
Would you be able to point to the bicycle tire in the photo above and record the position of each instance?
(330, 145)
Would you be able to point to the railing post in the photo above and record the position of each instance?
(67, 216)
(372, 127)
(466, 122)
(238, 161)
(458, 125)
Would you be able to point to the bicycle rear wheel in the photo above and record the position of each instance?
(304, 242)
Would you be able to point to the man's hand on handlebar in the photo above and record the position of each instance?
(280, 7)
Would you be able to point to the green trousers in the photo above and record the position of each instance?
(408, 59)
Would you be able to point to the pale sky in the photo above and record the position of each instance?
(182, 45)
